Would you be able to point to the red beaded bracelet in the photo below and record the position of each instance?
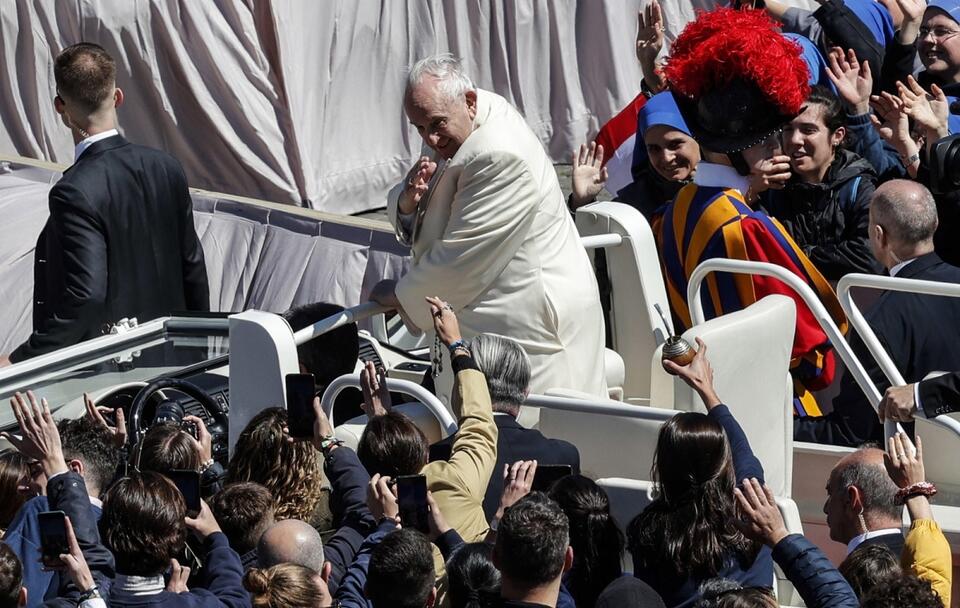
(921, 488)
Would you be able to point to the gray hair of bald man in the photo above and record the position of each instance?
(507, 368)
(906, 211)
(447, 69)
(291, 541)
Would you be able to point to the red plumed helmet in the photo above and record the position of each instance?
(736, 79)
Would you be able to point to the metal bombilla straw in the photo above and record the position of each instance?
(675, 349)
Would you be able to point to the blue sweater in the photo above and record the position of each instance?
(758, 573)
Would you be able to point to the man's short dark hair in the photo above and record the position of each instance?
(392, 445)
(328, 356)
(401, 571)
(878, 490)
(84, 440)
(907, 591)
(142, 523)
(243, 510)
(11, 577)
(85, 74)
(532, 541)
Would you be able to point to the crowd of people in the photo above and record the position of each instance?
(805, 139)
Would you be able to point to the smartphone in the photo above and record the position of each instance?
(300, 393)
(412, 500)
(188, 482)
(53, 537)
(547, 474)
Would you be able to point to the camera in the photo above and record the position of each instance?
(169, 412)
(944, 165)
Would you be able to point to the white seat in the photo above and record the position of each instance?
(749, 351)
(350, 431)
(609, 445)
(616, 372)
(634, 270)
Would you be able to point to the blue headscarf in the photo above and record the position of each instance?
(950, 7)
(661, 109)
(814, 60)
(876, 17)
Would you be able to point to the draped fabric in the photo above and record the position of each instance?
(258, 256)
(300, 101)
(707, 222)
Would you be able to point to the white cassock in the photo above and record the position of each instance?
(494, 238)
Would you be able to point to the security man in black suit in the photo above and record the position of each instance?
(921, 333)
(507, 369)
(935, 396)
(120, 240)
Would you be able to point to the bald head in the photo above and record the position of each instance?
(291, 541)
(906, 211)
(865, 470)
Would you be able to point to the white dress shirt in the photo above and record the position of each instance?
(857, 540)
(86, 143)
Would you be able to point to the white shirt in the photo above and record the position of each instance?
(857, 540)
(86, 143)
(720, 176)
(896, 269)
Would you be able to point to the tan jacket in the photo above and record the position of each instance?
(459, 484)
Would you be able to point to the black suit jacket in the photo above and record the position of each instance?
(120, 242)
(514, 442)
(894, 542)
(940, 395)
(921, 333)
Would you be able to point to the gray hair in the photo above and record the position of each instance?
(291, 541)
(507, 368)
(878, 490)
(906, 210)
(447, 69)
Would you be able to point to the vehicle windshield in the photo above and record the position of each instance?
(114, 361)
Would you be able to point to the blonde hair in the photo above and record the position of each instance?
(293, 472)
(282, 586)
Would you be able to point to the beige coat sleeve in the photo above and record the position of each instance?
(491, 214)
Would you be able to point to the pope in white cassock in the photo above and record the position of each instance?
(490, 233)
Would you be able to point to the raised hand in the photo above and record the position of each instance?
(40, 438)
(912, 16)
(416, 182)
(436, 521)
(898, 404)
(761, 519)
(376, 395)
(517, 481)
(698, 374)
(95, 413)
(891, 122)
(904, 464)
(381, 500)
(770, 174)
(589, 175)
(204, 438)
(929, 110)
(853, 79)
(444, 320)
(204, 524)
(650, 42)
(179, 575)
(74, 563)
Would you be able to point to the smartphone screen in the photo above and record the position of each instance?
(188, 482)
(412, 500)
(547, 474)
(53, 536)
(300, 416)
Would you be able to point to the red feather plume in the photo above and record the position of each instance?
(726, 44)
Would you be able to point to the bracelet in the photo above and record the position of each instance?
(921, 488)
(206, 465)
(89, 594)
(909, 160)
(328, 442)
(457, 344)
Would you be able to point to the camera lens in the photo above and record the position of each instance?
(169, 412)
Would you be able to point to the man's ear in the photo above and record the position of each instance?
(325, 571)
(76, 466)
(568, 559)
(854, 498)
(58, 104)
(432, 598)
(471, 97)
(839, 135)
(118, 98)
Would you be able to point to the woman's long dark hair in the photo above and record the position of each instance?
(596, 540)
(474, 582)
(688, 529)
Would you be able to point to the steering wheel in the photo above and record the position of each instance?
(213, 411)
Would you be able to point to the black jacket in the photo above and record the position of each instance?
(830, 220)
(919, 332)
(514, 442)
(940, 395)
(120, 242)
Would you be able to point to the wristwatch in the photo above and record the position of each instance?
(90, 594)
(328, 442)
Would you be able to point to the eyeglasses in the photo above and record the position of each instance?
(939, 33)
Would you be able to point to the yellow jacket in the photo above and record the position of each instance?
(926, 553)
(459, 484)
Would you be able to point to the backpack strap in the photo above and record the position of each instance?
(847, 202)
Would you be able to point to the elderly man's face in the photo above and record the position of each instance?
(443, 123)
